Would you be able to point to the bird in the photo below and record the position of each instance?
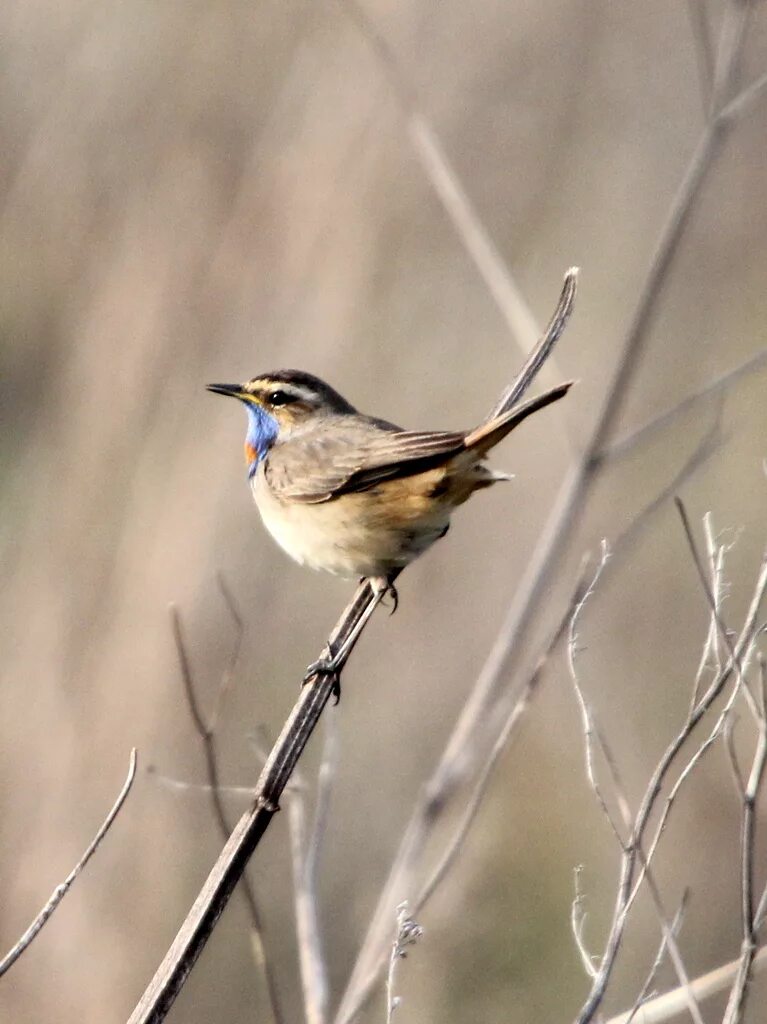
(352, 494)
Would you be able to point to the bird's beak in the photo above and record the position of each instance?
(232, 390)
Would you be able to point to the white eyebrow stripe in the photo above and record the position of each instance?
(267, 387)
(299, 392)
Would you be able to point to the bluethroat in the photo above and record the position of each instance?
(352, 494)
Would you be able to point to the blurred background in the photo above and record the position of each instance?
(202, 191)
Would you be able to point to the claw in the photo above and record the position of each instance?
(383, 585)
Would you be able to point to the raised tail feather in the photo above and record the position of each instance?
(487, 435)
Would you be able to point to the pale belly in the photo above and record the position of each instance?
(355, 534)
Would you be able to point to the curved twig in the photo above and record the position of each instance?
(61, 890)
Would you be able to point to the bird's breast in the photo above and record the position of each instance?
(365, 533)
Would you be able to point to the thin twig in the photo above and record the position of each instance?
(325, 780)
(745, 99)
(664, 1007)
(61, 890)
(644, 992)
(750, 799)
(623, 446)
(711, 653)
(577, 921)
(206, 732)
(701, 750)
(585, 712)
(534, 586)
(729, 46)
(227, 676)
(196, 788)
(704, 51)
(667, 928)
(736, 1003)
(732, 757)
(565, 516)
(232, 861)
(415, 836)
(721, 627)
(626, 888)
(305, 852)
(228, 869)
(761, 910)
(442, 177)
(311, 960)
(705, 448)
(482, 782)
(674, 952)
(592, 738)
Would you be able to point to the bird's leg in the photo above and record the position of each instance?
(332, 661)
(385, 585)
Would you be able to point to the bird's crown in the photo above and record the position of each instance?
(288, 395)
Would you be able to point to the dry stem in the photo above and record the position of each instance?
(63, 888)
(207, 733)
(228, 869)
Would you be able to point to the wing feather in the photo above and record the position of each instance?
(353, 456)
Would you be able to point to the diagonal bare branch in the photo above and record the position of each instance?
(518, 709)
(311, 960)
(712, 601)
(644, 993)
(439, 172)
(649, 430)
(63, 888)
(736, 1004)
(667, 1006)
(206, 732)
(704, 51)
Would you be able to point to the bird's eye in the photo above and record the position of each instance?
(281, 398)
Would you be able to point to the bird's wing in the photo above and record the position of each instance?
(353, 456)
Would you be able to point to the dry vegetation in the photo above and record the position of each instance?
(388, 197)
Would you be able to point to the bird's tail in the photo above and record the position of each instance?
(484, 437)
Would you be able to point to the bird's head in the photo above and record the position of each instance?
(279, 403)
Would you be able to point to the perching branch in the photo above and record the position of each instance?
(61, 890)
(228, 869)
(206, 730)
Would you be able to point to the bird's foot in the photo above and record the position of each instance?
(383, 585)
(324, 667)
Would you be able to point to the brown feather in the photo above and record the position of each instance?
(360, 453)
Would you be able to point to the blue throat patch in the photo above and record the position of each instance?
(262, 433)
